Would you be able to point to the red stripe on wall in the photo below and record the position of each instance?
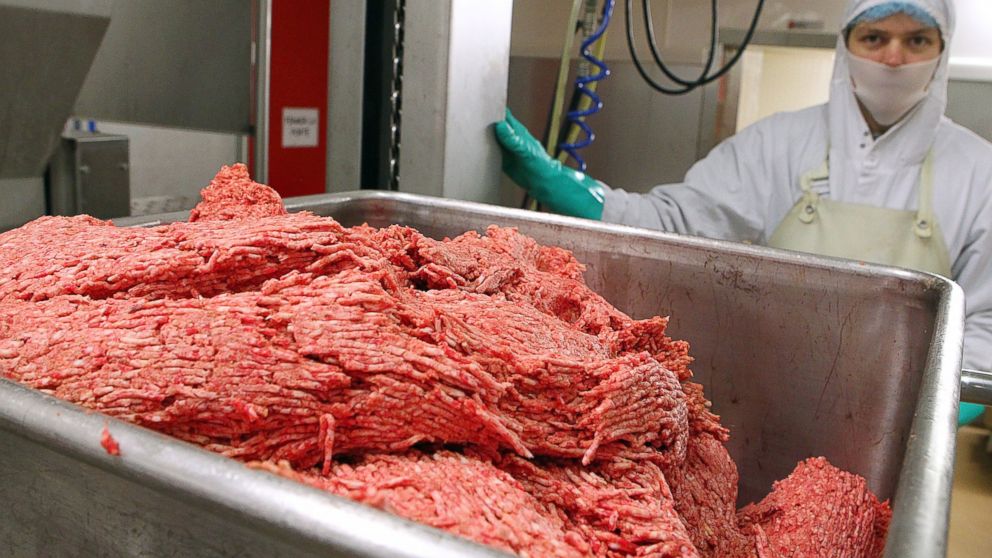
(298, 79)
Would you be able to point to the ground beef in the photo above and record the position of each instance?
(108, 442)
(232, 194)
(474, 384)
(622, 507)
(86, 256)
(704, 488)
(279, 372)
(451, 491)
(819, 510)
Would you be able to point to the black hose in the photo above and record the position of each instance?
(656, 52)
(686, 85)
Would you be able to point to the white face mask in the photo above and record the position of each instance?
(890, 92)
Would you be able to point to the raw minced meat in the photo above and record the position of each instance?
(474, 384)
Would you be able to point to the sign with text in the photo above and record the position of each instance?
(300, 127)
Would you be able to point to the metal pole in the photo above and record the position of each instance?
(345, 94)
(456, 59)
(263, 50)
(976, 386)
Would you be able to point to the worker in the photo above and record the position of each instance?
(876, 174)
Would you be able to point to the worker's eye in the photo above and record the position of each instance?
(920, 41)
(871, 39)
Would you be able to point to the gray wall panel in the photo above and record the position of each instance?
(44, 57)
(344, 95)
(969, 103)
(179, 63)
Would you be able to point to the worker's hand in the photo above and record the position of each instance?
(561, 189)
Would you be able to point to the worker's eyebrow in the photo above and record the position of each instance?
(871, 29)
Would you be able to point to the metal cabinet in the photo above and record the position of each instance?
(90, 174)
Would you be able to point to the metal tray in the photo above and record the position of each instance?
(801, 356)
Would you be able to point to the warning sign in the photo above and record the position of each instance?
(300, 127)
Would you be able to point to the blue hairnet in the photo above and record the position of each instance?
(883, 11)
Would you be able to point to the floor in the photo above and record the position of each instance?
(971, 496)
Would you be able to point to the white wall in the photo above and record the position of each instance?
(972, 38)
(169, 166)
(681, 26)
(971, 49)
(778, 79)
(688, 23)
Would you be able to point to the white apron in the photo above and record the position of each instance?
(910, 239)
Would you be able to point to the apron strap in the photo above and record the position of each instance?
(924, 214)
(923, 227)
(810, 198)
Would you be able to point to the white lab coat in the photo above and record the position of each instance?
(746, 185)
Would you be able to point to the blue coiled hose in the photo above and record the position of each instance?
(577, 117)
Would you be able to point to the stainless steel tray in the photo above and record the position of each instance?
(801, 356)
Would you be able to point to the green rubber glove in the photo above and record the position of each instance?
(560, 188)
(968, 412)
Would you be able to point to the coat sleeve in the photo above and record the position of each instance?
(972, 269)
(724, 196)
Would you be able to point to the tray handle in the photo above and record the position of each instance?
(976, 386)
